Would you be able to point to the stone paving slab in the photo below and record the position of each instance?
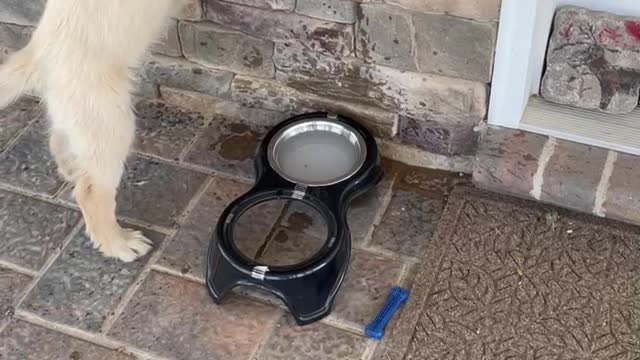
(228, 146)
(82, 287)
(188, 251)
(156, 192)
(505, 279)
(408, 223)
(170, 187)
(165, 131)
(12, 285)
(317, 341)
(32, 230)
(175, 318)
(363, 213)
(29, 165)
(15, 118)
(290, 247)
(24, 341)
(164, 311)
(366, 287)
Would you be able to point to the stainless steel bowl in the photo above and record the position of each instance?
(317, 152)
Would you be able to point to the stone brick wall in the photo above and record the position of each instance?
(415, 71)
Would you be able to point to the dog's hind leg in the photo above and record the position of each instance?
(98, 122)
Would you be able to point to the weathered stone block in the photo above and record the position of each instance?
(474, 9)
(419, 96)
(287, 5)
(215, 46)
(192, 10)
(185, 75)
(169, 44)
(13, 37)
(341, 11)
(317, 35)
(210, 106)
(414, 156)
(452, 46)
(385, 36)
(572, 175)
(622, 201)
(507, 161)
(447, 138)
(273, 95)
(593, 61)
(21, 12)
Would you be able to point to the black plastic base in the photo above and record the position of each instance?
(308, 289)
(309, 297)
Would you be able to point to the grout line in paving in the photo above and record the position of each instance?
(187, 149)
(195, 200)
(267, 335)
(373, 345)
(73, 206)
(192, 167)
(404, 273)
(175, 273)
(60, 190)
(72, 234)
(141, 223)
(36, 196)
(12, 143)
(370, 349)
(390, 254)
(36, 278)
(133, 288)
(17, 268)
(384, 206)
(346, 325)
(96, 339)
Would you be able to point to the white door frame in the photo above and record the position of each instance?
(523, 34)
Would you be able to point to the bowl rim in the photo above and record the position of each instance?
(305, 123)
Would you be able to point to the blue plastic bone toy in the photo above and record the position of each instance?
(397, 297)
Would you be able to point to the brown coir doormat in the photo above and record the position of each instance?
(509, 279)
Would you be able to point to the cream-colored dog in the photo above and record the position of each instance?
(79, 61)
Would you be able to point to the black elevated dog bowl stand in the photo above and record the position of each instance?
(324, 161)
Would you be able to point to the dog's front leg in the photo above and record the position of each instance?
(97, 122)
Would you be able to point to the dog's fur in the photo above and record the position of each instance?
(79, 61)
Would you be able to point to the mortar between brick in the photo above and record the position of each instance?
(603, 185)
(545, 157)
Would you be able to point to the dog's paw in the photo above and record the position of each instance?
(129, 247)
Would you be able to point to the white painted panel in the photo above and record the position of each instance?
(617, 132)
(509, 89)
